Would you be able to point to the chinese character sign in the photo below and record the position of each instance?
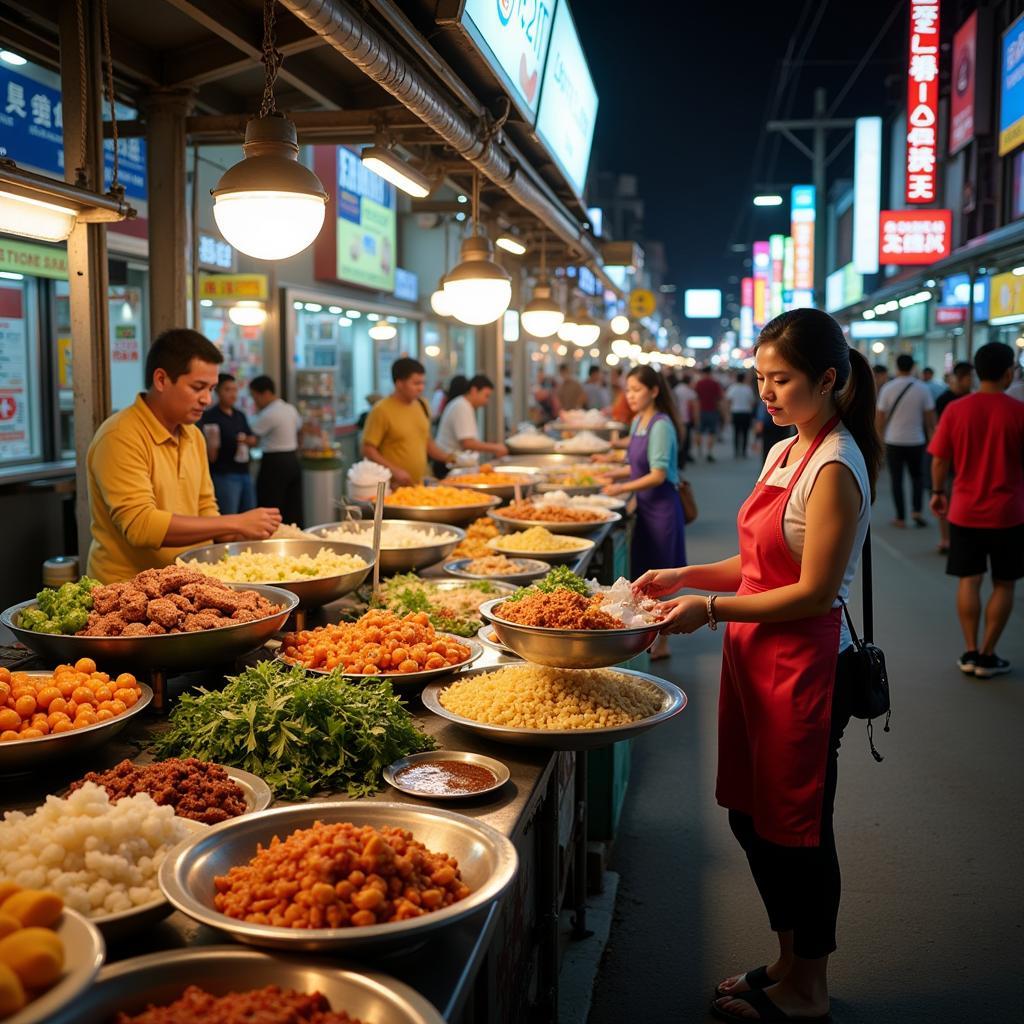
(914, 237)
(922, 101)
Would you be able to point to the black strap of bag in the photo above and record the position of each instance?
(869, 696)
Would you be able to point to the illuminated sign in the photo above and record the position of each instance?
(777, 254)
(802, 212)
(513, 36)
(843, 288)
(701, 303)
(366, 225)
(700, 341)
(863, 329)
(1006, 299)
(568, 101)
(1011, 89)
(231, 287)
(914, 237)
(867, 193)
(922, 101)
(961, 97)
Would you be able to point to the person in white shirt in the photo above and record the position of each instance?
(741, 399)
(278, 425)
(458, 428)
(688, 405)
(906, 421)
(1016, 389)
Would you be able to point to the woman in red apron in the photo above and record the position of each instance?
(782, 707)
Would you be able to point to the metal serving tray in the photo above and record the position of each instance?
(396, 560)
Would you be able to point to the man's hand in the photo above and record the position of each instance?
(399, 477)
(500, 451)
(257, 524)
(939, 505)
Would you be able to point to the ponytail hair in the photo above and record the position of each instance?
(663, 400)
(812, 342)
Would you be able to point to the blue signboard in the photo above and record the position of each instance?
(1011, 89)
(956, 290)
(32, 133)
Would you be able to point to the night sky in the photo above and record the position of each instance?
(685, 88)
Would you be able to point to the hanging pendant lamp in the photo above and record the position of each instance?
(269, 205)
(478, 289)
(588, 330)
(542, 316)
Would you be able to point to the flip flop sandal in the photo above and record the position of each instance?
(767, 1010)
(756, 979)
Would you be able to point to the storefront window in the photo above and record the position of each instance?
(242, 348)
(20, 413)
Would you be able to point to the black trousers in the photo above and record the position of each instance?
(279, 485)
(800, 885)
(911, 457)
(740, 432)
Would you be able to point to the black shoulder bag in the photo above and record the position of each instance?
(869, 681)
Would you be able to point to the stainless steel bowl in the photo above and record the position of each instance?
(551, 557)
(84, 950)
(24, 755)
(533, 449)
(258, 796)
(312, 593)
(506, 492)
(483, 634)
(396, 560)
(560, 739)
(172, 652)
(570, 648)
(406, 678)
(508, 524)
(531, 569)
(600, 448)
(486, 858)
(539, 461)
(497, 768)
(458, 515)
(557, 429)
(160, 978)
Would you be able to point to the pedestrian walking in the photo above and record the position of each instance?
(709, 394)
(570, 391)
(277, 424)
(961, 381)
(788, 661)
(659, 538)
(1016, 389)
(741, 398)
(458, 430)
(981, 438)
(598, 395)
(933, 384)
(906, 420)
(228, 440)
(881, 373)
(688, 411)
(770, 432)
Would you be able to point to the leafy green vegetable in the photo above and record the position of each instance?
(299, 733)
(61, 610)
(409, 593)
(560, 577)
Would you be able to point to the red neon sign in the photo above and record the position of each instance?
(922, 101)
(914, 237)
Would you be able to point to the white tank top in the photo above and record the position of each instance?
(839, 446)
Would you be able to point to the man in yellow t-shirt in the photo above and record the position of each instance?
(397, 431)
(150, 492)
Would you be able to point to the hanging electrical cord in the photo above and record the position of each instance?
(272, 58)
(81, 171)
(116, 188)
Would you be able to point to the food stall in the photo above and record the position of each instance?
(493, 953)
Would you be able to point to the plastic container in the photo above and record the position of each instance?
(60, 570)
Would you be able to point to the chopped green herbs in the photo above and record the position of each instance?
(559, 577)
(448, 609)
(299, 733)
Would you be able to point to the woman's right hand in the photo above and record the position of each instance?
(660, 582)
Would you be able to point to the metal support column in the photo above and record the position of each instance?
(969, 332)
(820, 199)
(87, 245)
(166, 111)
(491, 360)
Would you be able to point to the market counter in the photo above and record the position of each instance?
(500, 965)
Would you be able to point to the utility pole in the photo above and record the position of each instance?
(819, 125)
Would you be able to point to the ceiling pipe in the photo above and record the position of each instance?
(349, 33)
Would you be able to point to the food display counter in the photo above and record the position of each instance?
(499, 964)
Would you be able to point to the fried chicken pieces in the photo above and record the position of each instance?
(170, 600)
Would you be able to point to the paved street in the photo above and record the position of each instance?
(931, 927)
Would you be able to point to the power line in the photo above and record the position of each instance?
(897, 8)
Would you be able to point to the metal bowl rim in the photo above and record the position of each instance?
(676, 697)
(288, 603)
(486, 609)
(494, 645)
(113, 972)
(453, 567)
(585, 544)
(282, 584)
(311, 811)
(492, 502)
(612, 518)
(414, 523)
(501, 772)
(140, 705)
(475, 652)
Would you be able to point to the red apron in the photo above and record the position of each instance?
(775, 705)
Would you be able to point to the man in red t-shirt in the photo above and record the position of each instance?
(982, 437)
(709, 395)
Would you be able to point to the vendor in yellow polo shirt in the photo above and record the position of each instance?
(150, 493)
(397, 431)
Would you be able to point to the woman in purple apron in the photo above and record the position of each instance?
(658, 534)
